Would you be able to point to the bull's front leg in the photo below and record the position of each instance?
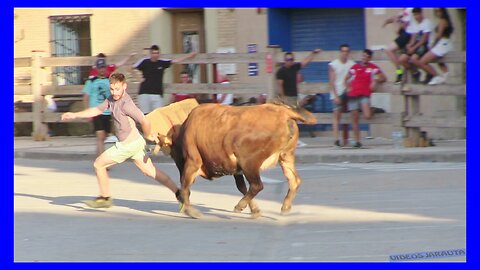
(240, 183)
(255, 186)
(187, 179)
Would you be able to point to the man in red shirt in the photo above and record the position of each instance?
(361, 81)
(102, 60)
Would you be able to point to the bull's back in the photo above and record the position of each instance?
(226, 138)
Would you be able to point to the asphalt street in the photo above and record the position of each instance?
(343, 212)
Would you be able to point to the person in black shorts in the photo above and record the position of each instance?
(399, 44)
(101, 126)
(95, 91)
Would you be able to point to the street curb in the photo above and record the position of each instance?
(300, 159)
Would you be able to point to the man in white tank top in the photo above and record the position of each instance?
(337, 71)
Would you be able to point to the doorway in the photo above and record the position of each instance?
(189, 36)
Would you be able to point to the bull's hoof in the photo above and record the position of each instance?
(237, 209)
(192, 212)
(256, 214)
(285, 211)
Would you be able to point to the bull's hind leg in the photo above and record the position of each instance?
(190, 171)
(255, 186)
(288, 166)
(240, 182)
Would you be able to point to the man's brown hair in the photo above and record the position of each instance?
(117, 77)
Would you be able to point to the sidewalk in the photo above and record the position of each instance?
(318, 150)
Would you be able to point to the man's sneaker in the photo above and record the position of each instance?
(445, 75)
(399, 73)
(181, 205)
(357, 145)
(416, 77)
(337, 143)
(428, 78)
(100, 202)
(437, 80)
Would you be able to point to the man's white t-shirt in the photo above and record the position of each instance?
(425, 26)
(341, 71)
(228, 97)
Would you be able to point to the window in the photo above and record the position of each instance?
(70, 36)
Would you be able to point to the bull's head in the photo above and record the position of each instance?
(165, 120)
(164, 143)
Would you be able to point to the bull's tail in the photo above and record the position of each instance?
(303, 116)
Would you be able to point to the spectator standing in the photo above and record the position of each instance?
(361, 81)
(110, 67)
(337, 72)
(95, 92)
(287, 77)
(150, 95)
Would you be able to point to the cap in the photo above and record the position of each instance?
(101, 63)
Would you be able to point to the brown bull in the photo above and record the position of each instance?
(217, 140)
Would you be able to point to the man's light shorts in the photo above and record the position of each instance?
(122, 151)
(355, 103)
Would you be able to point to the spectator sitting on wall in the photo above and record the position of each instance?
(440, 47)
(404, 32)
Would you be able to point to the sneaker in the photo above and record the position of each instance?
(337, 143)
(416, 77)
(357, 145)
(100, 202)
(301, 144)
(428, 78)
(111, 139)
(437, 80)
(399, 73)
(445, 75)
